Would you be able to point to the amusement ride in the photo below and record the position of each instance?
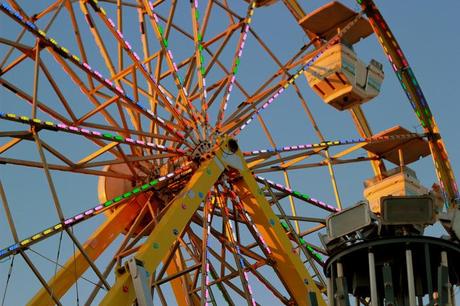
(139, 106)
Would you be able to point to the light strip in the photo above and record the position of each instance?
(64, 52)
(198, 39)
(206, 255)
(25, 243)
(49, 125)
(238, 254)
(297, 194)
(327, 144)
(235, 198)
(169, 56)
(303, 242)
(128, 48)
(417, 101)
(292, 79)
(236, 63)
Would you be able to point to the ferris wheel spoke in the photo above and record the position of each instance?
(235, 250)
(78, 38)
(207, 214)
(247, 219)
(266, 89)
(296, 194)
(78, 82)
(235, 64)
(223, 38)
(275, 160)
(333, 143)
(267, 284)
(29, 52)
(35, 164)
(117, 34)
(27, 98)
(199, 60)
(60, 127)
(285, 172)
(308, 252)
(322, 163)
(86, 257)
(104, 235)
(12, 45)
(109, 204)
(163, 41)
(221, 279)
(241, 126)
(86, 68)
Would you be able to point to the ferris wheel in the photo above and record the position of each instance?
(166, 149)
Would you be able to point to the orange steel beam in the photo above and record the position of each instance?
(287, 263)
(289, 266)
(169, 228)
(415, 95)
(181, 285)
(94, 246)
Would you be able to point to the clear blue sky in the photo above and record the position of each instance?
(428, 34)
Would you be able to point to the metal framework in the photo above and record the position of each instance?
(153, 112)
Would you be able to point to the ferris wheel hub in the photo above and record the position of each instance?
(202, 151)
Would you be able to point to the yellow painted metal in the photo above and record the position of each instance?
(178, 215)
(181, 285)
(94, 246)
(287, 263)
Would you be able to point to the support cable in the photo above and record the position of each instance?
(10, 270)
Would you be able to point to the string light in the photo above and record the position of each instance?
(297, 194)
(302, 242)
(49, 125)
(326, 144)
(240, 206)
(292, 79)
(89, 213)
(128, 48)
(87, 68)
(169, 56)
(238, 254)
(236, 62)
(198, 39)
(413, 92)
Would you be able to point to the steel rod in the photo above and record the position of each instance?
(373, 280)
(410, 278)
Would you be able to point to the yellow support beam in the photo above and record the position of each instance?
(169, 228)
(94, 247)
(290, 268)
(293, 273)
